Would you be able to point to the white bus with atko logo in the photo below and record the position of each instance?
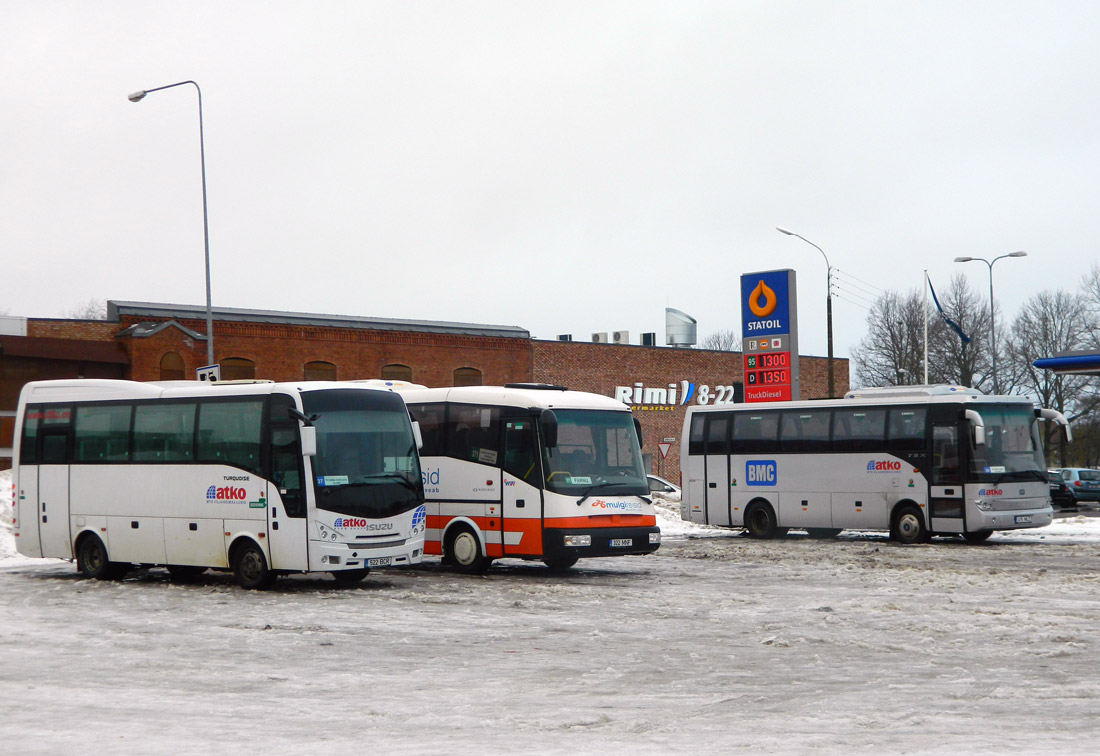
(255, 477)
(531, 471)
(915, 461)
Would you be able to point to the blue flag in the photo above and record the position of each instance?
(949, 321)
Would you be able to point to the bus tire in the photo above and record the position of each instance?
(350, 577)
(908, 526)
(561, 561)
(250, 568)
(92, 561)
(823, 533)
(760, 521)
(977, 536)
(464, 551)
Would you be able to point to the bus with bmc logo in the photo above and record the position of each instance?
(531, 471)
(915, 461)
(255, 477)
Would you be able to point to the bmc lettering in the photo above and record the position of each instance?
(761, 472)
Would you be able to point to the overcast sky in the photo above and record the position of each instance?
(566, 167)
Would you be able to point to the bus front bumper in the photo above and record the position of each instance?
(598, 542)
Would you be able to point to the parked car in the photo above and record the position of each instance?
(663, 487)
(1060, 497)
(1083, 484)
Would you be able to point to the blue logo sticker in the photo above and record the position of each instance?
(761, 472)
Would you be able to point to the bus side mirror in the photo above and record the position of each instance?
(1058, 417)
(549, 422)
(418, 436)
(638, 428)
(309, 440)
(978, 425)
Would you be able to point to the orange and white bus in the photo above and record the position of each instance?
(530, 471)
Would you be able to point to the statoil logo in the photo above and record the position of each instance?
(883, 465)
(225, 493)
(762, 302)
(991, 492)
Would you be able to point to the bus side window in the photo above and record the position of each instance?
(945, 454)
(520, 450)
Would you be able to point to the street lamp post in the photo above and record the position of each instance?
(828, 303)
(138, 97)
(992, 318)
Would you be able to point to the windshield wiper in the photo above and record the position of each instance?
(588, 491)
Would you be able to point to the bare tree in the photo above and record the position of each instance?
(93, 309)
(1048, 323)
(722, 341)
(892, 352)
(952, 359)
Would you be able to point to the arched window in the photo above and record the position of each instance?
(320, 371)
(238, 369)
(171, 367)
(467, 376)
(397, 373)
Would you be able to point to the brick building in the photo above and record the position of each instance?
(149, 342)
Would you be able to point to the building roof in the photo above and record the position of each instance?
(117, 310)
(47, 348)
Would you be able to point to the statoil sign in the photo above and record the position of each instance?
(769, 336)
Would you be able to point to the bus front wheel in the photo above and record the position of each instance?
(560, 561)
(760, 522)
(464, 552)
(908, 526)
(350, 577)
(250, 568)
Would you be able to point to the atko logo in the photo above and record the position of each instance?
(225, 493)
(356, 523)
(991, 492)
(883, 465)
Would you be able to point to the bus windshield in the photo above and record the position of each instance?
(366, 463)
(597, 454)
(1012, 448)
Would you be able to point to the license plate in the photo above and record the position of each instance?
(379, 562)
(620, 542)
(1022, 519)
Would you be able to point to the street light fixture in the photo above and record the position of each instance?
(992, 318)
(828, 302)
(138, 97)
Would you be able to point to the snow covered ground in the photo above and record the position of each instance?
(716, 644)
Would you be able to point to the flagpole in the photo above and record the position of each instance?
(926, 284)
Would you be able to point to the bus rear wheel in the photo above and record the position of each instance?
(250, 568)
(908, 526)
(92, 561)
(464, 552)
(760, 522)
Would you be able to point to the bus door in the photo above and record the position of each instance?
(52, 500)
(946, 494)
(286, 497)
(521, 506)
(718, 483)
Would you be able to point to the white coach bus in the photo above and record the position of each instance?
(531, 471)
(913, 460)
(256, 477)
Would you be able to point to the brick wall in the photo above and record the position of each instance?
(600, 368)
(281, 351)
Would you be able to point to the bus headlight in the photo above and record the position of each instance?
(984, 506)
(655, 537)
(578, 540)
